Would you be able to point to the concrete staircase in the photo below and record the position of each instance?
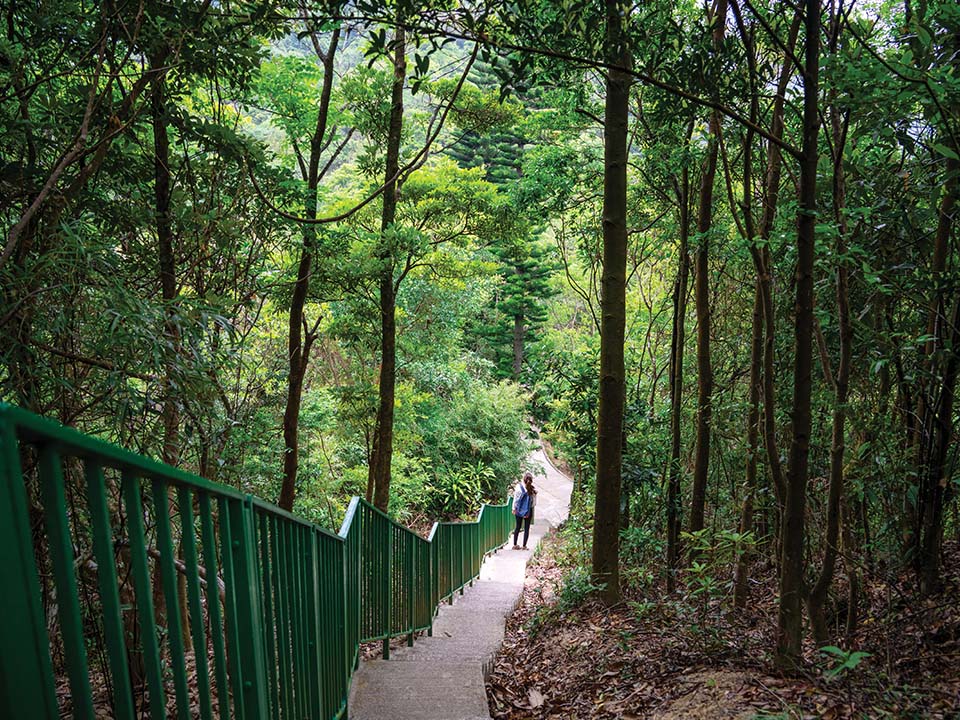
(442, 677)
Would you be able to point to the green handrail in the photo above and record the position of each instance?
(274, 608)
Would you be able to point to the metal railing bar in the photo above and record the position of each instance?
(208, 539)
(109, 591)
(168, 572)
(55, 520)
(141, 582)
(297, 599)
(28, 674)
(270, 624)
(194, 600)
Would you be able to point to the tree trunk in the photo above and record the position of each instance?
(606, 524)
(383, 443)
(740, 589)
(170, 413)
(935, 399)
(518, 332)
(848, 522)
(816, 601)
(299, 335)
(674, 512)
(789, 618)
(818, 594)
(701, 466)
(763, 264)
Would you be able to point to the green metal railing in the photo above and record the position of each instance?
(151, 592)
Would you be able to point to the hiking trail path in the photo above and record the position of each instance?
(442, 677)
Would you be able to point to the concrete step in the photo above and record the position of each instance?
(442, 677)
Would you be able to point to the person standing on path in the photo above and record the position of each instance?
(524, 500)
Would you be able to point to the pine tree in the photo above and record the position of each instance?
(518, 308)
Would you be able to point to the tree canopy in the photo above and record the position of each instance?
(322, 249)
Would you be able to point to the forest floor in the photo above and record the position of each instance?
(670, 658)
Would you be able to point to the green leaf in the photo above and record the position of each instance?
(945, 151)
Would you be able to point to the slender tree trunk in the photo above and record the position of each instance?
(168, 271)
(764, 267)
(383, 444)
(937, 399)
(740, 589)
(674, 506)
(818, 594)
(816, 601)
(170, 412)
(606, 524)
(299, 335)
(936, 474)
(848, 523)
(790, 614)
(518, 332)
(163, 193)
(701, 466)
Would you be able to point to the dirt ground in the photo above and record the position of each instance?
(668, 658)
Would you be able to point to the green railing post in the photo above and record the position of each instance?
(247, 612)
(432, 572)
(208, 538)
(466, 551)
(297, 600)
(68, 599)
(26, 676)
(141, 583)
(387, 594)
(267, 570)
(314, 624)
(109, 595)
(410, 574)
(448, 549)
(185, 503)
(168, 572)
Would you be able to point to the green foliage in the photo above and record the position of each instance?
(473, 438)
(843, 661)
(640, 552)
(714, 555)
(497, 246)
(575, 588)
(458, 492)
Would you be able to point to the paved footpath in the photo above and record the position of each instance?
(441, 677)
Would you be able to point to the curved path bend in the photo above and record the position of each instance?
(442, 677)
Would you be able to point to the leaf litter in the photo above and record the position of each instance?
(654, 656)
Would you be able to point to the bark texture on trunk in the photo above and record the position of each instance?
(383, 442)
(606, 526)
(935, 426)
(677, 341)
(790, 611)
(762, 262)
(816, 601)
(740, 589)
(701, 467)
(168, 270)
(300, 337)
(170, 411)
(170, 454)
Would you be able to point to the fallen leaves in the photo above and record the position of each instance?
(652, 658)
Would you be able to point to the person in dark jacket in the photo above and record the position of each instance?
(524, 500)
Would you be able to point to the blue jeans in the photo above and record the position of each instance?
(525, 521)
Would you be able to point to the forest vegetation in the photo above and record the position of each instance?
(315, 249)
